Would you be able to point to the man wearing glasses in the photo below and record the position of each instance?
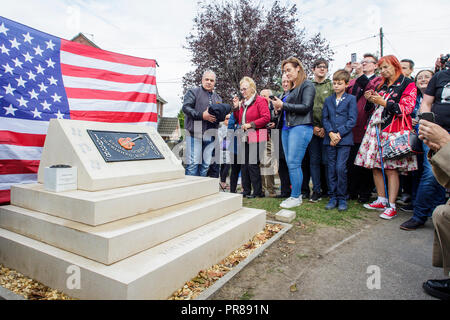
(317, 151)
(360, 180)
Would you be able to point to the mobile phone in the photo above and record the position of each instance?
(429, 116)
(240, 96)
(353, 57)
(272, 97)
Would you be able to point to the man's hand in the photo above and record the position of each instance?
(271, 125)
(433, 135)
(316, 131)
(320, 132)
(246, 126)
(348, 67)
(208, 117)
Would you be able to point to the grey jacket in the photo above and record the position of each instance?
(299, 104)
(195, 102)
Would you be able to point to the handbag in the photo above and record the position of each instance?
(402, 143)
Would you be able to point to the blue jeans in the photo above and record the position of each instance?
(295, 142)
(430, 193)
(198, 156)
(317, 157)
(337, 171)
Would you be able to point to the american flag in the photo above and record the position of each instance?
(43, 77)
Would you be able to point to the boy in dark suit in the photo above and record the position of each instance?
(339, 116)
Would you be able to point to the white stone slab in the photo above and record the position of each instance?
(99, 207)
(121, 239)
(285, 216)
(68, 142)
(152, 274)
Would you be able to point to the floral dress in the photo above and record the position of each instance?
(369, 155)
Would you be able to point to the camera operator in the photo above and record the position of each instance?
(437, 96)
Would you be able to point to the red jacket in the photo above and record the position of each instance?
(363, 113)
(258, 115)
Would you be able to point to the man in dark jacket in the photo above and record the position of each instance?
(196, 121)
(360, 179)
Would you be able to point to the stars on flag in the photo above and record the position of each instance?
(8, 69)
(56, 98)
(50, 45)
(27, 38)
(21, 82)
(10, 110)
(14, 44)
(22, 102)
(17, 63)
(28, 57)
(4, 49)
(30, 86)
(53, 81)
(3, 29)
(9, 90)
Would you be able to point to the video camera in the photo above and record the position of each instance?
(445, 62)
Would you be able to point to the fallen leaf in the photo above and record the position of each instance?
(293, 288)
(291, 242)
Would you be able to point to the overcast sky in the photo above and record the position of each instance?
(415, 29)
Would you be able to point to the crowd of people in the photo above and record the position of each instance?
(329, 134)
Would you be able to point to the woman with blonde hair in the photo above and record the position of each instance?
(296, 109)
(252, 113)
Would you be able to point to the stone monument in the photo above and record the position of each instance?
(135, 228)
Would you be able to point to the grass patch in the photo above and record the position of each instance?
(313, 212)
(247, 296)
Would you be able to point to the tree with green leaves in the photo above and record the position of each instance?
(237, 38)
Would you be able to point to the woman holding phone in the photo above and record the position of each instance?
(297, 113)
(394, 98)
(252, 113)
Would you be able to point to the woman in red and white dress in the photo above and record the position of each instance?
(394, 97)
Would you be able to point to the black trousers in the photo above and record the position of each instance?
(285, 180)
(250, 170)
(306, 174)
(360, 180)
(224, 169)
(234, 175)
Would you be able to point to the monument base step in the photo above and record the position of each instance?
(114, 241)
(98, 207)
(152, 274)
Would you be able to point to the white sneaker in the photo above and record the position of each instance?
(291, 203)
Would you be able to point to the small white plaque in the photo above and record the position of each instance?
(60, 179)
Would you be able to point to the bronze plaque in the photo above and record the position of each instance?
(124, 146)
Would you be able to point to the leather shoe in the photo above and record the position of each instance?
(411, 224)
(283, 196)
(438, 288)
(250, 196)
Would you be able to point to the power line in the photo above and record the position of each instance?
(356, 41)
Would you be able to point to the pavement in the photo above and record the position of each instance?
(392, 261)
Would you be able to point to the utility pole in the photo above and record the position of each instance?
(381, 41)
